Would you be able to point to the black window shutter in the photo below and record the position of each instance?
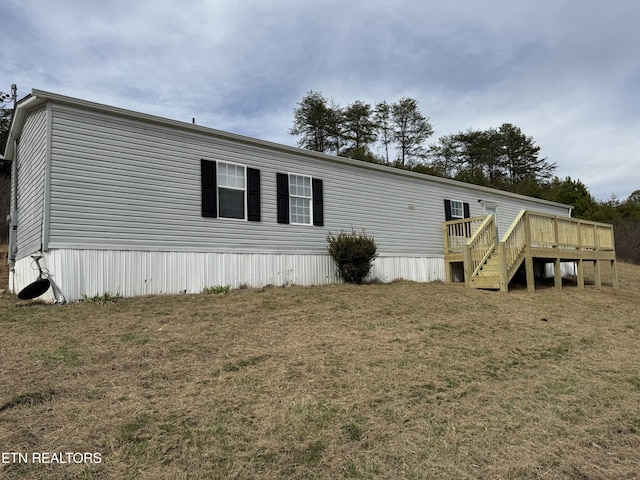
(467, 213)
(209, 187)
(447, 210)
(318, 203)
(253, 194)
(282, 187)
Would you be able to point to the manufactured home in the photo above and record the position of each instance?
(105, 199)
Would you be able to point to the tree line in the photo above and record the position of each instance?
(324, 126)
(501, 157)
(396, 134)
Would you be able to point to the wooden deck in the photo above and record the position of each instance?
(472, 249)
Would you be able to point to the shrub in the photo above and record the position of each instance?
(353, 253)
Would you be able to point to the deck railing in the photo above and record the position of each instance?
(532, 234)
(458, 232)
(480, 246)
(550, 231)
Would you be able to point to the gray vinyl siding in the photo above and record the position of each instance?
(31, 158)
(123, 183)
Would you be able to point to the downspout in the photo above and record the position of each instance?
(46, 204)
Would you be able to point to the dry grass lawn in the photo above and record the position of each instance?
(402, 380)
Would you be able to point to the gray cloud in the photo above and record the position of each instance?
(562, 70)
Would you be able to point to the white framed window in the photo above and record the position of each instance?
(300, 211)
(457, 209)
(232, 185)
(230, 190)
(300, 199)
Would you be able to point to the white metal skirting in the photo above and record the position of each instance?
(417, 269)
(132, 273)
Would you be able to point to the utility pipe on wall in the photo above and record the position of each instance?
(13, 221)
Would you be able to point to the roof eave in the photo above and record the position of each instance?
(17, 122)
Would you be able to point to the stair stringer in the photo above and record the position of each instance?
(488, 276)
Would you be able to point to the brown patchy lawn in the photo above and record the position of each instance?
(402, 380)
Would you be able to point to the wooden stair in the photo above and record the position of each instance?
(490, 263)
(488, 277)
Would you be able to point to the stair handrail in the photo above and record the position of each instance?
(512, 246)
(479, 247)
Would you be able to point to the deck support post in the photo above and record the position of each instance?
(528, 258)
(504, 284)
(447, 264)
(531, 278)
(579, 263)
(596, 267)
(557, 274)
(596, 262)
(580, 273)
(467, 265)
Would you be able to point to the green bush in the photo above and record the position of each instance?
(353, 253)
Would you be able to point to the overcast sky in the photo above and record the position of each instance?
(567, 72)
